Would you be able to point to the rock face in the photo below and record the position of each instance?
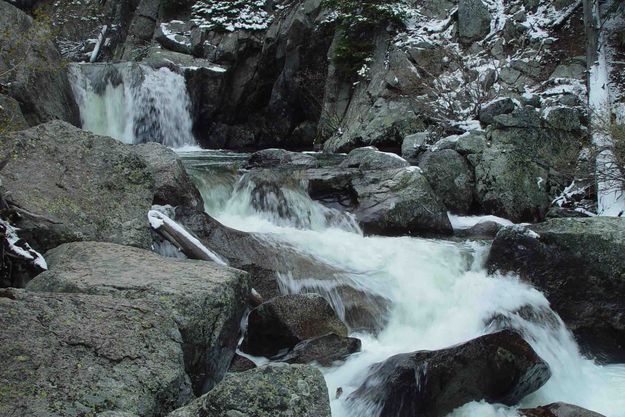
(207, 300)
(32, 68)
(369, 158)
(74, 355)
(283, 322)
(276, 390)
(172, 183)
(558, 410)
(473, 20)
(11, 117)
(577, 263)
(71, 185)
(451, 178)
(399, 201)
(500, 367)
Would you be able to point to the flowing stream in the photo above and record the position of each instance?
(133, 103)
(439, 292)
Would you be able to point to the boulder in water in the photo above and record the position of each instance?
(283, 322)
(241, 364)
(558, 410)
(206, 300)
(578, 264)
(399, 202)
(280, 158)
(275, 390)
(71, 185)
(72, 355)
(499, 367)
(451, 178)
(324, 350)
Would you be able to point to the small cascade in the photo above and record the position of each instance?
(428, 294)
(134, 103)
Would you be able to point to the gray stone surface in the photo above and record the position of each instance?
(473, 20)
(276, 390)
(207, 300)
(369, 158)
(75, 355)
(75, 186)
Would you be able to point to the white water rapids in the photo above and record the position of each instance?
(133, 103)
(440, 293)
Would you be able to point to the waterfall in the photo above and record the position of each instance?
(133, 103)
(440, 295)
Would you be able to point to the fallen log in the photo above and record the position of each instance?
(181, 238)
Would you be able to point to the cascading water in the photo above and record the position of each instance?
(439, 295)
(133, 103)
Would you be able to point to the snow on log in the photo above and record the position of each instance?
(18, 251)
(182, 239)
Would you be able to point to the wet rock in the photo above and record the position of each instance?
(276, 390)
(577, 264)
(494, 108)
(283, 322)
(483, 230)
(171, 181)
(71, 355)
(241, 364)
(399, 202)
(175, 36)
(369, 158)
(324, 350)
(451, 178)
(280, 158)
(37, 79)
(498, 368)
(207, 300)
(473, 21)
(71, 185)
(558, 410)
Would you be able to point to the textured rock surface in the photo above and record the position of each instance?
(451, 178)
(33, 70)
(72, 355)
(284, 321)
(76, 186)
(279, 158)
(399, 202)
(207, 300)
(172, 183)
(11, 117)
(325, 350)
(473, 20)
(578, 264)
(369, 158)
(277, 390)
(500, 367)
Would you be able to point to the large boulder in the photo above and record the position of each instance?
(275, 390)
(71, 185)
(77, 355)
(473, 20)
(499, 368)
(578, 264)
(207, 300)
(369, 158)
(172, 183)
(558, 410)
(451, 177)
(525, 166)
(399, 202)
(31, 67)
(283, 322)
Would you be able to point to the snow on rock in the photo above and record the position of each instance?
(21, 249)
(158, 219)
(467, 222)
